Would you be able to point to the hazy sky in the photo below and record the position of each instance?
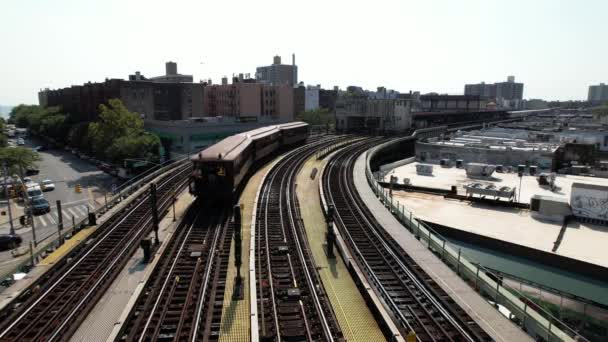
(557, 48)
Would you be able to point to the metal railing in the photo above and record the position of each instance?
(531, 317)
(122, 192)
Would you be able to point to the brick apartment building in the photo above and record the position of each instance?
(249, 101)
(161, 99)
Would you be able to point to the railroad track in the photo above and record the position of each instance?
(182, 300)
(416, 302)
(291, 302)
(55, 305)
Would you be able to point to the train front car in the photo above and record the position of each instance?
(214, 177)
(293, 133)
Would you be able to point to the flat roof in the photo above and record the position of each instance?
(582, 241)
(228, 148)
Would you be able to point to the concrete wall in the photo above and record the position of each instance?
(434, 153)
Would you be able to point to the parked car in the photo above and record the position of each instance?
(38, 206)
(30, 171)
(20, 141)
(47, 185)
(104, 167)
(27, 180)
(8, 241)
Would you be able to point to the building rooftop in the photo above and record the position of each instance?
(582, 241)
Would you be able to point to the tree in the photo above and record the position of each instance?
(118, 134)
(53, 126)
(141, 146)
(315, 117)
(18, 159)
(78, 137)
(114, 121)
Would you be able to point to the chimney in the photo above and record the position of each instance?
(293, 69)
(171, 68)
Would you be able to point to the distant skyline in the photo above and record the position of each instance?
(556, 48)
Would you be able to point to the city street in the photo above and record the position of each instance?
(65, 170)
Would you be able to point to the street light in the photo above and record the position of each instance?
(8, 199)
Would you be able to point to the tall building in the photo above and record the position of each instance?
(277, 73)
(598, 94)
(311, 97)
(507, 94)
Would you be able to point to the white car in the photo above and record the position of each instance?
(34, 192)
(47, 185)
(20, 141)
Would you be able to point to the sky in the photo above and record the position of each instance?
(556, 48)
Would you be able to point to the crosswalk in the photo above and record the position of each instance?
(51, 219)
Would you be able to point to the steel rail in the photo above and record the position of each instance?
(344, 170)
(282, 180)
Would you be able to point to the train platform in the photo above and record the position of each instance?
(235, 323)
(67, 246)
(490, 319)
(103, 322)
(356, 320)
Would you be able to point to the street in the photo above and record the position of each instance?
(65, 170)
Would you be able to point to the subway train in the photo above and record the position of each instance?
(219, 169)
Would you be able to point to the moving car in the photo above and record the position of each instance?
(38, 206)
(47, 185)
(8, 241)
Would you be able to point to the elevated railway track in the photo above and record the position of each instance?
(291, 302)
(415, 301)
(53, 307)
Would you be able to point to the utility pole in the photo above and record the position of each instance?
(60, 223)
(8, 199)
(154, 212)
(331, 235)
(237, 294)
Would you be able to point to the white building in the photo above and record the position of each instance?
(311, 97)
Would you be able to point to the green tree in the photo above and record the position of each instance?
(315, 117)
(54, 126)
(78, 137)
(18, 159)
(140, 146)
(3, 137)
(114, 121)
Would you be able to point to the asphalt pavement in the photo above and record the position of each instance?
(65, 170)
